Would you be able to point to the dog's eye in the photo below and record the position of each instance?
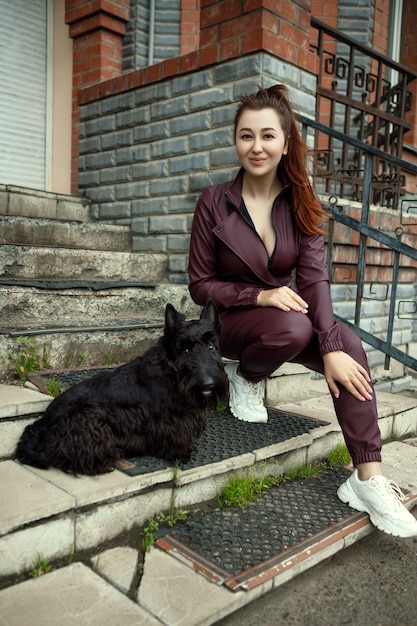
(186, 351)
(210, 346)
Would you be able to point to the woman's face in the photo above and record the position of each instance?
(260, 141)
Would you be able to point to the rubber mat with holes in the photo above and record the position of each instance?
(241, 548)
(226, 437)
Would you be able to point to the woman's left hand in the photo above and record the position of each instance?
(339, 367)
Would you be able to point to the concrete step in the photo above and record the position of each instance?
(20, 406)
(100, 508)
(54, 233)
(86, 327)
(53, 515)
(25, 262)
(25, 307)
(25, 202)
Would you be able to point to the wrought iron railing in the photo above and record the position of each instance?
(367, 232)
(365, 95)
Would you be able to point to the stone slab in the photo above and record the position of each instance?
(72, 595)
(178, 596)
(16, 401)
(95, 489)
(118, 566)
(11, 431)
(101, 523)
(26, 498)
(399, 462)
(50, 540)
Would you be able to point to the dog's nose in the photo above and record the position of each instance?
(207, 387)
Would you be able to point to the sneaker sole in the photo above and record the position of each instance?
(261, 420)
(346, 494)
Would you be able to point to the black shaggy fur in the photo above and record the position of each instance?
(153, 406)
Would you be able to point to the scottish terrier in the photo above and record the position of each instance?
(152, 406)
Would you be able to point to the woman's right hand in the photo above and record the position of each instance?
(282, 298)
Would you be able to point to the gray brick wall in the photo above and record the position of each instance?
(166, 33)
(146, 155)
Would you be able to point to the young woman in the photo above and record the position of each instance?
(257, 250)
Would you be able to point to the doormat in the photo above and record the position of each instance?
(242, 548)
(226, 437)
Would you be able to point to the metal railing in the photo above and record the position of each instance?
(364, 94)
(366, 233)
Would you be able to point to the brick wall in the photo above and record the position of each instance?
(166, 33)
(150, 140)
(190, 26)
(147, 153)
(96, 30)
(357, 19)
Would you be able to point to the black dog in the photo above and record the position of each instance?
(153, 406)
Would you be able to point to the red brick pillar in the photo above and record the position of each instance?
(230, 28)
(190, 26)
(97, 28)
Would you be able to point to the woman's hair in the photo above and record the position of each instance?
(308, 212)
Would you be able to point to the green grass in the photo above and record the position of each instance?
(54, 388)
(239, 491)
(339, 456)
(40, 567)
(162, 519)
(25, 360)
(304, 471)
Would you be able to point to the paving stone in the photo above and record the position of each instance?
(72, 595)
(118, 566)
(178, 596)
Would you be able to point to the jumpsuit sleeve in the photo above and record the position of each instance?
(202, 268)
(312, 281)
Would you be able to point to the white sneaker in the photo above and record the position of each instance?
(382, 500)
(246, 398)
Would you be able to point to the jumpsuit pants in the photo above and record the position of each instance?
(264, 338)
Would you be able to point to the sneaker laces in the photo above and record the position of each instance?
(388, 490)
(255, 391)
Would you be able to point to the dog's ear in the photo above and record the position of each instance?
(211, 313)
(172, 318)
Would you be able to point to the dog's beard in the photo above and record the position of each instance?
(202, 396)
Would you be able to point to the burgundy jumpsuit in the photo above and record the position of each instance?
(229, 263)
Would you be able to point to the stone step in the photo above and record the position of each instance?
(24, 262)
(85, 347)
(37, 232)
(86, 327)
(25, 307)
(19, 406)
(25, 202)
(53, 515)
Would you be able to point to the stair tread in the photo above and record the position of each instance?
(58, 283)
